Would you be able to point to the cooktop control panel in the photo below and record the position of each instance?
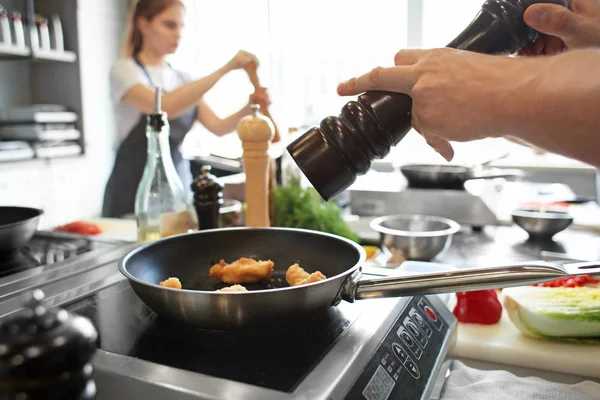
(406, 362)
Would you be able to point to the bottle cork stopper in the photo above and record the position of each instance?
(256, 132)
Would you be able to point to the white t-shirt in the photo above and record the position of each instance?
(127, 73)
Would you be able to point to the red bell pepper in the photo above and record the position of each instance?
(478, 307)
(570, 281)
(80, 227)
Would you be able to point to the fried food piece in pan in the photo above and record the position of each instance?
(171, 283)
(244, 270)
(296, 276)
(234, 288)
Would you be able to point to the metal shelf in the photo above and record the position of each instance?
(53, 55)
(10, 53)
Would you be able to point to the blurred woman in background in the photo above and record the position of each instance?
(155, 32)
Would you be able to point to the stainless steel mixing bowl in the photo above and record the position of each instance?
(419, 237)
(542, 223)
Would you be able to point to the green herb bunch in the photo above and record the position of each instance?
(303, 208)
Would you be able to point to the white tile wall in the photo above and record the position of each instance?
(70, 189)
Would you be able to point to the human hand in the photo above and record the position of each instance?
(457, 95)
(563, 28)
(260, 97)
(241, 59)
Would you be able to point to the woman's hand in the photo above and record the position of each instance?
(562, 28)
(241, 59)
(457, 95)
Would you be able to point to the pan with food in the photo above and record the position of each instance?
(240, 277)
(17, 227)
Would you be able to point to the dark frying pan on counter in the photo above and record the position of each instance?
(452, 177)
(189, 257)
(17, 227)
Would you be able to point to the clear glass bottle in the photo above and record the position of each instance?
(161, 205)
(290, 173)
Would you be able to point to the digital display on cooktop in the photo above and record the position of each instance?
(274, 357)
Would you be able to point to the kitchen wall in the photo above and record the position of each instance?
(71, 188)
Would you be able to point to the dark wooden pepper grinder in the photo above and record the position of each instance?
(46, 354)
(333, 154)
(208, 198)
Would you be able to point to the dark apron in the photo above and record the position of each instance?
(119, 196)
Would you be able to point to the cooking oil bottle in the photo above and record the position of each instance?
(161, 205)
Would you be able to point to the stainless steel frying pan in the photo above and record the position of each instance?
(17, 227)
(452, 177)
(190, 256)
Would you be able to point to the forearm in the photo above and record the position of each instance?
(227, 125)
(183, 98)
(561, 111)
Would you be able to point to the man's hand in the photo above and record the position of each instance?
(457, 95)
(562, 28)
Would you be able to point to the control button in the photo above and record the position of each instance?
(414, 314)
(430, 314)
(408, 339)
(416, 332)
(412, 368)
(390, 369)
(424, 306)
(399, 352)
(383, 361)
(396, 377)
(410, 342)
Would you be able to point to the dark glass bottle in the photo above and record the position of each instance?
(46, 354)
(333, 154)
(208, 198)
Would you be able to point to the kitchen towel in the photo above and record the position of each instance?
(466, 383)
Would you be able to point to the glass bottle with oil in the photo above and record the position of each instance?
(161, 205)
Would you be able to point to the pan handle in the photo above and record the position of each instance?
(463, 280)
(493, 173)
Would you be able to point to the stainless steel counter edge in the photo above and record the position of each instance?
(66, 281)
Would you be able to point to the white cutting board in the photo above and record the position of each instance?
(503, 343)
(116, 228)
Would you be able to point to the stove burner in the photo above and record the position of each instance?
(50, 251)
(43, 249)
(275, 357)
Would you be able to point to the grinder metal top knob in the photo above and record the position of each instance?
(46, 353)
(333, 154)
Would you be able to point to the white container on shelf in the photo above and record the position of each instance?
(18, 34)
(44, 34)
(6, 38)
(56, 36)
(32, 37)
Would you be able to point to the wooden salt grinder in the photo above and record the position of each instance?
(256, 132)
(251, 69)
